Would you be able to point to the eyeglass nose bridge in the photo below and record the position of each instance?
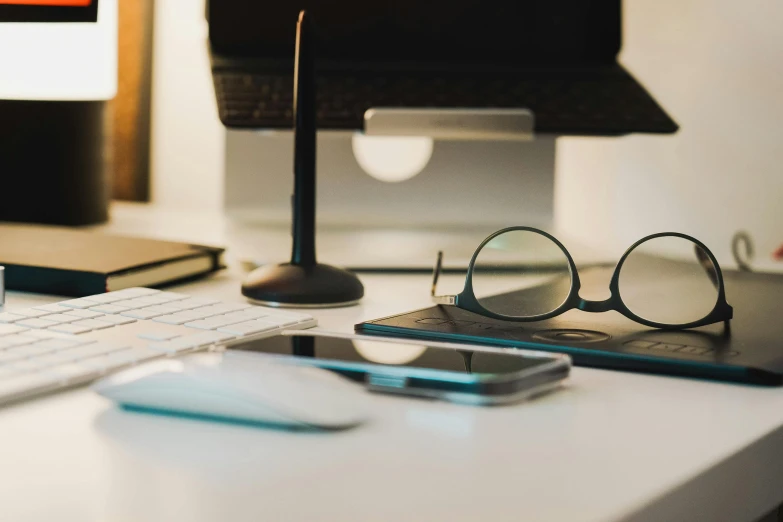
(595, 306)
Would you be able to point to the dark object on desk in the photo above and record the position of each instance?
(86, 12)
(752, 352)
(303, 281)
(687, 292)
(52, 162)
(558, 59)
(63, 261)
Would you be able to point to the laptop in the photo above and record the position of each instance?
(557, 59)
(751, 351)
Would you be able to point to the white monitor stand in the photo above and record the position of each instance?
(468, 189)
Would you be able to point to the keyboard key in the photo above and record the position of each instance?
(207, 338)
(93, 324)
(9, 356)
(61, 344)
(225, 308)
(172, 319)
(54, 359)
(109, 309)
(28, 350)
(53, 308)
(213, 323)
(6, 317)
(35, 323)
(8, 329)
(27, 365)
(7, 371)
(209, 324)
(163, 309)
(115, 319)
(190, 342)
(189, 304)
(25, 383)
(186, 316)
(84, 314)
(95, 349)
(145, 313)
(172, 296)
(70, 372)
(130, 304)
(109, 297)
(197, 301)
(161, 298)
(32, 350)
(247, 328)
(46, 334)
(70, 329)
(248, 314)
(279, 321)
(19, 340)
(31, 312)
(61, 318)
(299, 318)
(130, 293)
(140, 302)
(157, 336)
(79, 303)
(120, 359)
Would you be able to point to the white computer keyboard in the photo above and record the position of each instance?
(45, 348)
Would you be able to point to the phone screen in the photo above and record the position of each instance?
(358, 353)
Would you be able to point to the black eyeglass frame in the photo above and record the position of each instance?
(466, 300)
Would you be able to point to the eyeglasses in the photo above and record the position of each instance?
(667, 280)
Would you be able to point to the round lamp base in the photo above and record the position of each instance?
(317, 286)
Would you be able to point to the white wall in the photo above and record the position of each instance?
(187, 137)
(716, 65)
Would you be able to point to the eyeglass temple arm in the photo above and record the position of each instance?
(440, 299)
(712, 273)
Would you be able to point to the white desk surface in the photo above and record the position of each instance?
(611, 446)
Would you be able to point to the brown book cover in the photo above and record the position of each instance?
(64, 261)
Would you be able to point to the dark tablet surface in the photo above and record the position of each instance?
(751, 352)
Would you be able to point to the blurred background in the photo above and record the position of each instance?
(714, 64)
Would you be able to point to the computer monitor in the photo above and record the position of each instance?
(58, 50)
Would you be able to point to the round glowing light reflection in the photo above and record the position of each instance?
(392, 158)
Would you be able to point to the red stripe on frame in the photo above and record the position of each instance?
(52, 3)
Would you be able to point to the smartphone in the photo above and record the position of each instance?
(467, 374)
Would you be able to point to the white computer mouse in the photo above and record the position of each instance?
(254, 388)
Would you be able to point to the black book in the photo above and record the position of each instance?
(63, 261)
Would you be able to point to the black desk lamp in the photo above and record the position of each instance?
(303, 281)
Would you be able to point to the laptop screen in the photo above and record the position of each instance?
(48, 10)
(427, 32)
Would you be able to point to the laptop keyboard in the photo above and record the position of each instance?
(49, 347)
(587, 103)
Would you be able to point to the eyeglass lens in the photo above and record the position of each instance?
(516, 260)
(669, 280)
